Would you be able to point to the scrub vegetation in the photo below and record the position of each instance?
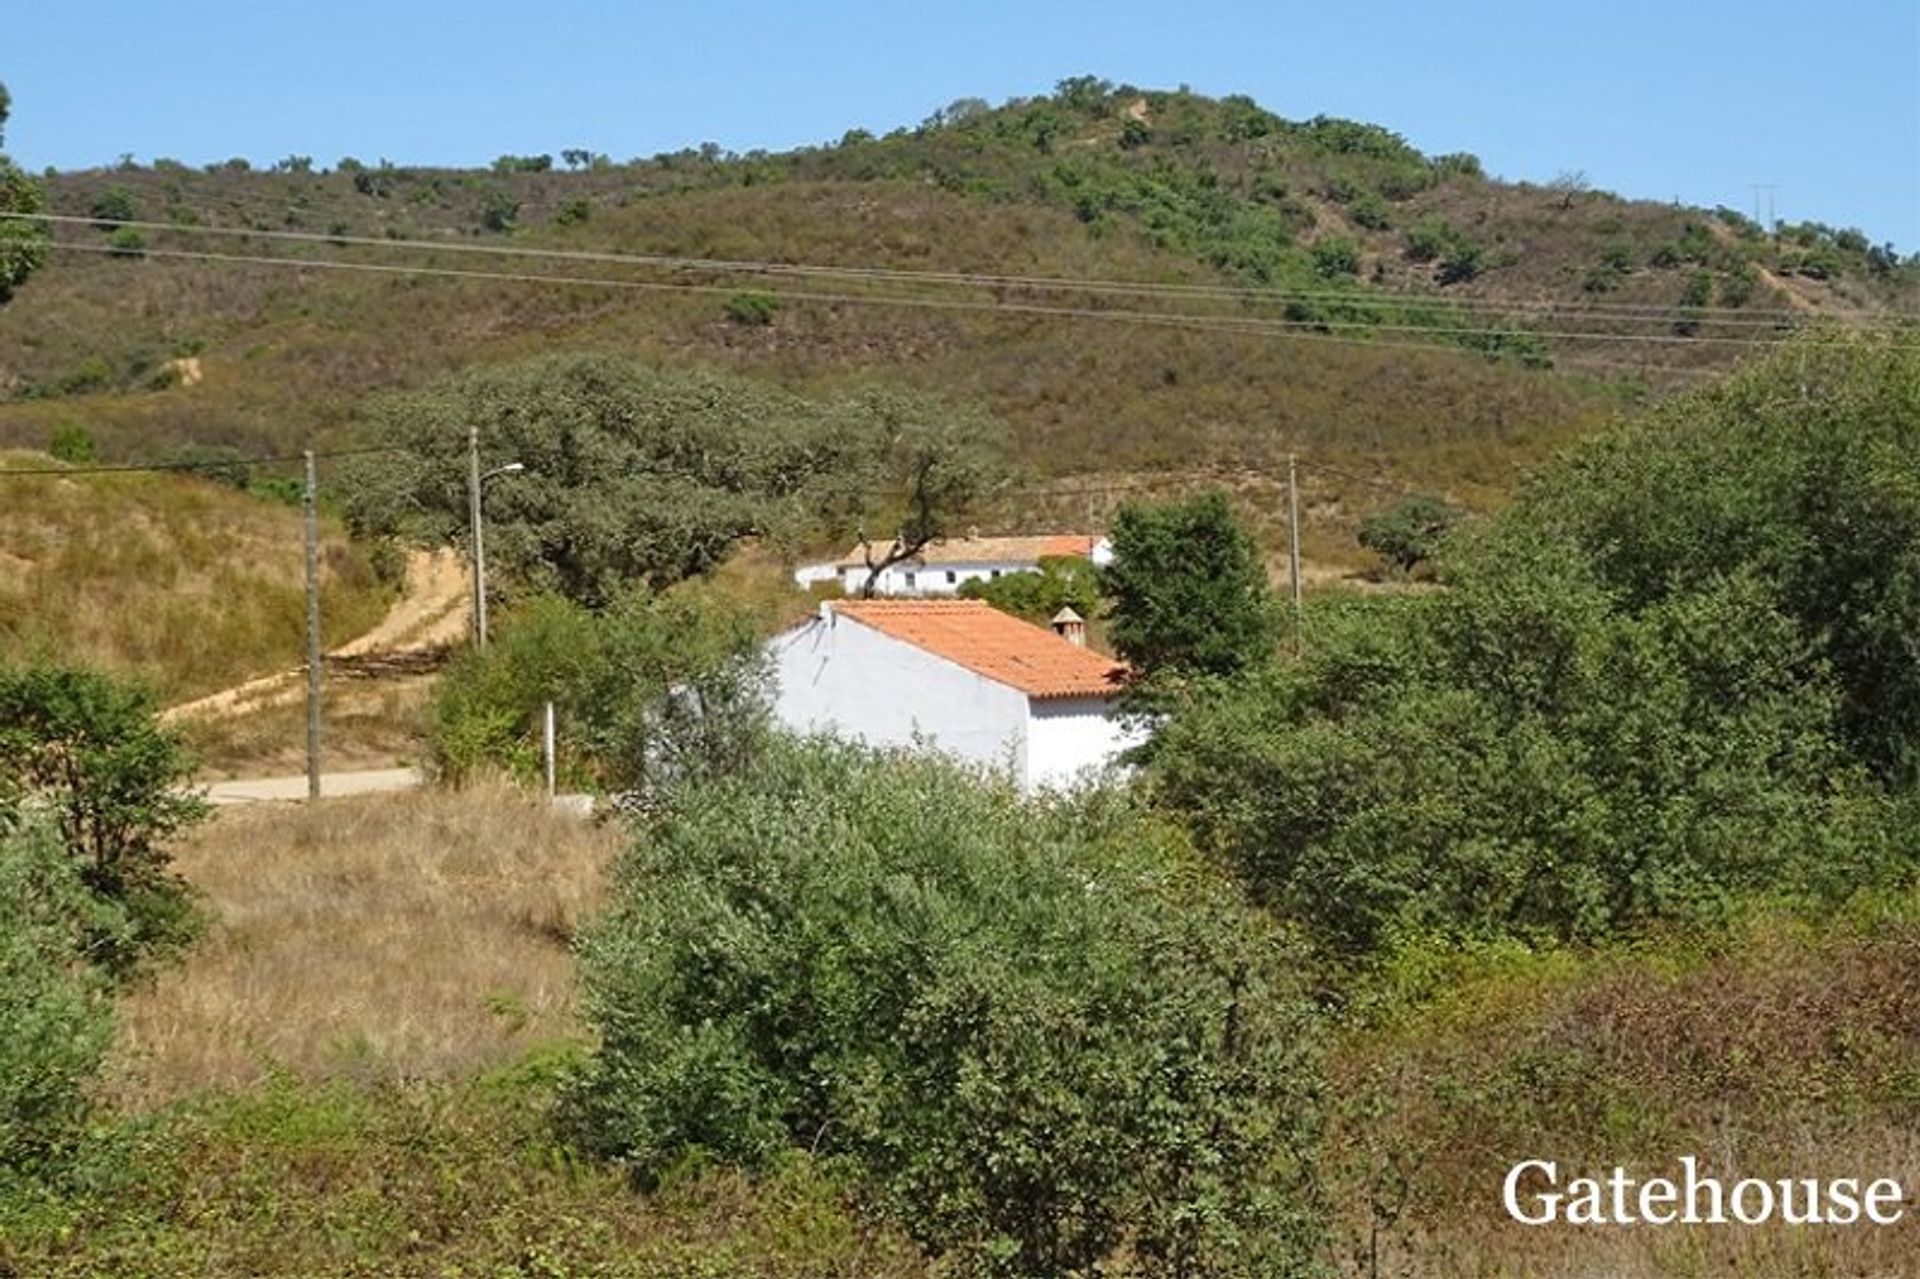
(1598, 844)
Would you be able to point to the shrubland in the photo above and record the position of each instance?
(1037, 1030)
(1601, 847)
(1663, 682)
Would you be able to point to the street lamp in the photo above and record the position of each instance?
(475, 482)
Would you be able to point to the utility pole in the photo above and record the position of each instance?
(313, 632)
(479, 550)
(1293, 549)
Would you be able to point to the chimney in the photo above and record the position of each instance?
(1071, 627)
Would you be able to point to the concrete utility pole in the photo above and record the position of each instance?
(479, 551)
(313, 632)
(475, 483)
(1293, 549)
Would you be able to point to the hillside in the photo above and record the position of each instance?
(185, 583)
(1316, 286)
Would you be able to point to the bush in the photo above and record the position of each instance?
(1521, 757)
(115, 204)
(219, 463)
(127, 242)
(1428, 238)
(1462, 262)
(751, 309)
(1662, 681)
(1063, 581)
(650, 691)
(56, 1019)
(73, 444)
(90, 750)
(1037, 1029)
(500, 213)
(1336, 258)
(1408, 533)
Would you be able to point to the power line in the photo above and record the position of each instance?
(1311, 329)
(67, 472)
(1625, 312)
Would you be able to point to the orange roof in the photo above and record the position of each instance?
(987, 550)
(974, 634)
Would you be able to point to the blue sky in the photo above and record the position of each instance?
(1660, 100)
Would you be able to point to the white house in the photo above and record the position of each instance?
(958, 676)
(944, 566)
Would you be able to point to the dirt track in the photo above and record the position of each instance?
(432, 612)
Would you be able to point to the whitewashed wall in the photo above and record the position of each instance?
(1069, 738)
(837, 676)
(911, 580)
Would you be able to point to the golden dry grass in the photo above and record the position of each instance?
(371, 723)
(395, 936)
(176, 580)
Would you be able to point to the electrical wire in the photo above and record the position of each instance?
(1311, 329)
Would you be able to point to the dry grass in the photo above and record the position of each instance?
(178, 581)
(420, 935)
(363, 724)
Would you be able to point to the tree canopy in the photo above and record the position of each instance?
(1188, 589)
(634, 474)
(1679, 672)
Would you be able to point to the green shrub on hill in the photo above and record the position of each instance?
(1037, 1030)
(1409, 533)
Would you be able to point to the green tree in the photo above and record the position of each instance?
(632, 474)
(638, 475)
(1408, 533)
(90, 750)
(1188, 590)
(1062, 581)
(918, 466)
(23, 243)
(1800, 469)
(650, 691)
(1039, 1031)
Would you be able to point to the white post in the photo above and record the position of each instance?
(547, 749)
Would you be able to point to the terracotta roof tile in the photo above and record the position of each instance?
(1003, 648)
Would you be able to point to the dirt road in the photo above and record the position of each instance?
(432, 612)
(259, 790)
